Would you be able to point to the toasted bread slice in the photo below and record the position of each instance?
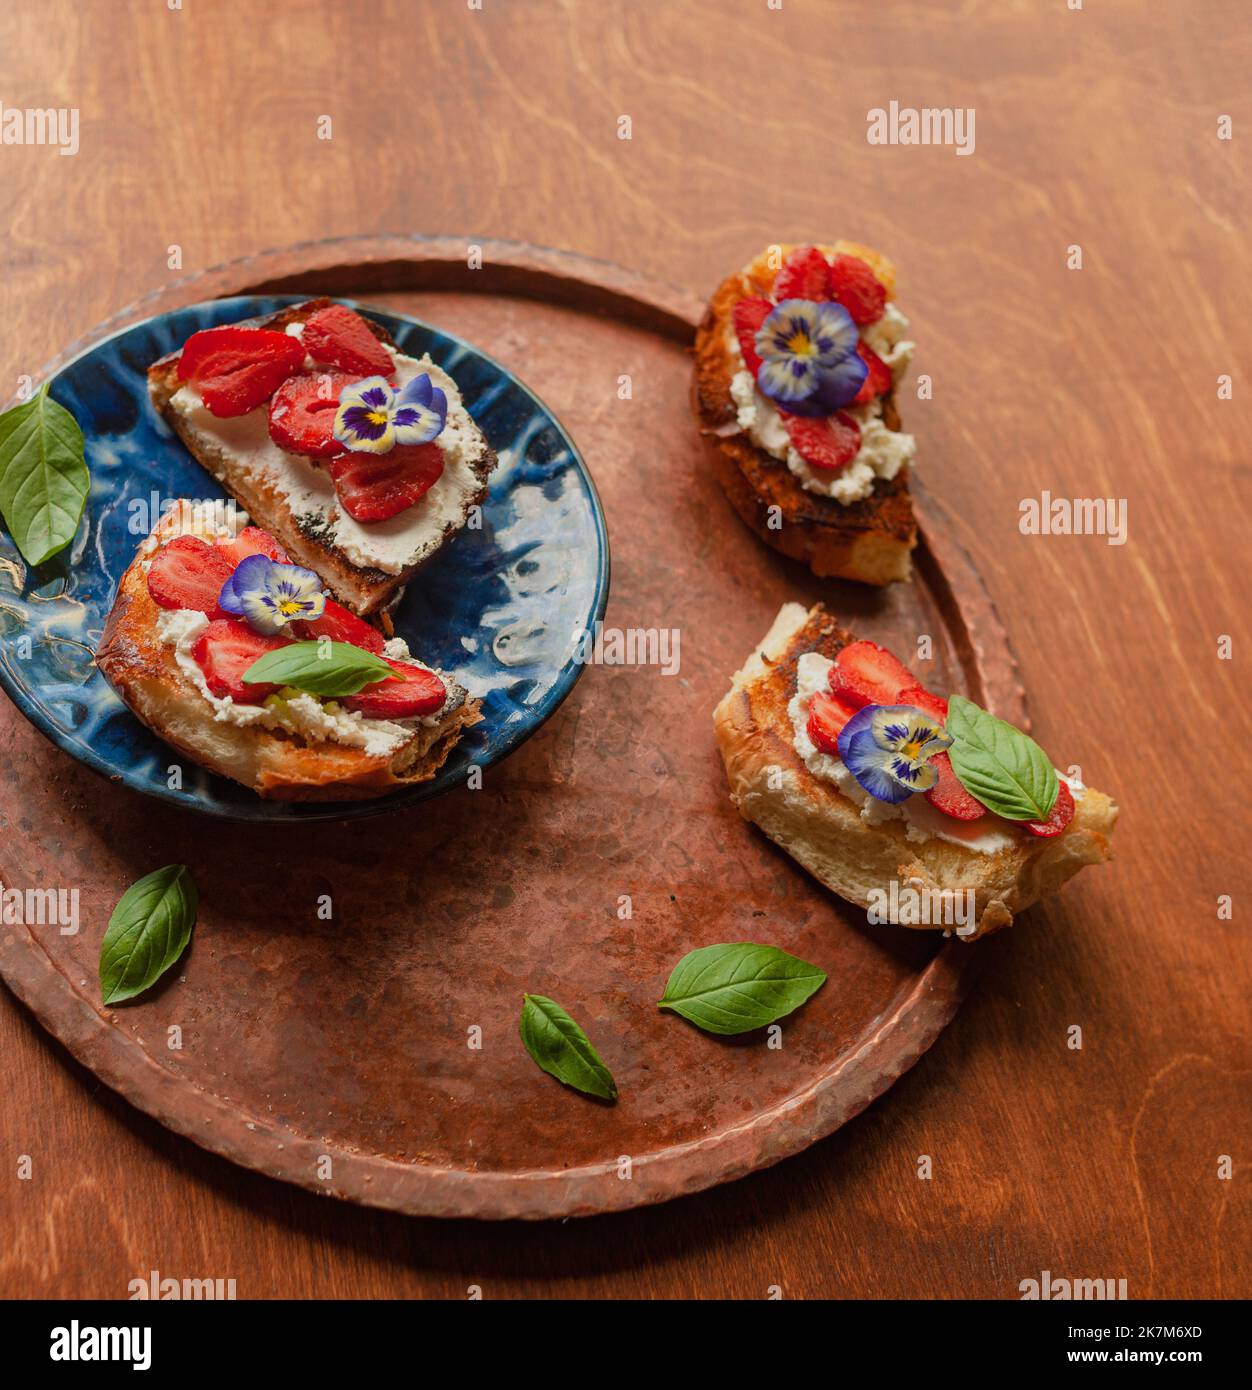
(826, 831)
(278, 762)
(868, 538)
(293, 497)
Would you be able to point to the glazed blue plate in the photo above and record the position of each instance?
(499, 607)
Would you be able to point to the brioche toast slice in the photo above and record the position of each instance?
(293, 496)
(859, 857)
(865, 530)
(292, 751)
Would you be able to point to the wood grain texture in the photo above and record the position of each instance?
(1095, 127)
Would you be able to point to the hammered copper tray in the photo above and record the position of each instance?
(339, 1054)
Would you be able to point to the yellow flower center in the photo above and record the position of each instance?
(800, 344)
(377, 417)
(912, 749)
(289, 607)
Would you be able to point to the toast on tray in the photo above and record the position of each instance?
(884, 791)
(797, 363)
(360, 461)
(350, 715)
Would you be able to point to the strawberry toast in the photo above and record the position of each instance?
(891, 794)
(359, 460)
(797, 362)
(237, 657)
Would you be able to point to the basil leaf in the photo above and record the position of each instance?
(1004, 768)
(321, 668)
(735, 988)
(43, 476)
(559, 1046)
(148, 931)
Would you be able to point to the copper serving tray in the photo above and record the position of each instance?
(342, 1055)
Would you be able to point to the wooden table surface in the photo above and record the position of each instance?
(1095, 127)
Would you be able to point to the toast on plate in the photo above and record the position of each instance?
(177, 659)
(787, 735)
(798, 407)
(262, 420)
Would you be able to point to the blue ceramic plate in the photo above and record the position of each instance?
(497, 607)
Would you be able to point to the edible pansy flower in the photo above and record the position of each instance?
(888, 749)
(809, 359)
(373, 417)
(270, 595)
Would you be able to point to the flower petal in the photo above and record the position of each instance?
(788, 379)
(840, 384)
(373, 392)
(872, 767)
(835, 332)
(363, 430)
(894, 726)
(419, 391)
(248, 574)
(418, 421)
(261, 613)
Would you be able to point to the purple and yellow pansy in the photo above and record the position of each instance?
(809, 359)
(888, 749)
(270, 595)
(373, 417)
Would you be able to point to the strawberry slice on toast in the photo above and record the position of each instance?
(256, 404)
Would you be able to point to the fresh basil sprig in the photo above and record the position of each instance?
(736, 987)
(43, 476)
(148, 931)
(320, 667)
(1004, 768)
(559, 1046)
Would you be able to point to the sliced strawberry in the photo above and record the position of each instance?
(805, 274)
(947, 795)
(866, 674)
(340, 625)
(411, 691)
(749, 315)
(829, 442)
(373, 487)
(252, 541)
(1061, 815)
(302, 413)
(343, 339)
(878, 382)
(934, 705)
(827, 716)
(236, 368)
(189, 573)
(857, 288)
(225, 650)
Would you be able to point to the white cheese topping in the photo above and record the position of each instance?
(922, 821)
(220, 519)
(883, 451)
(393, 545)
